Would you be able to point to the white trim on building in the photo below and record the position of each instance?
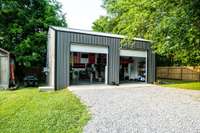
(133, 53)
(89, 49)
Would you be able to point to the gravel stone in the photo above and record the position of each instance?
(140, 108)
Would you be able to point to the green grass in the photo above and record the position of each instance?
(182, 84)
(30, 111)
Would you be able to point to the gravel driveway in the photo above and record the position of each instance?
(140, 109)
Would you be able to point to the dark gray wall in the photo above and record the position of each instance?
(64, 39)
(151, 68)
(63, 43)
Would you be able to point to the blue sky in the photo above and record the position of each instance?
(80, 14)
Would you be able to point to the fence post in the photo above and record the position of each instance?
(181, 73)
(199, 76)
(168, 72)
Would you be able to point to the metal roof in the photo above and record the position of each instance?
(94, 33)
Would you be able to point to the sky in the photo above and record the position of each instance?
(80, 14)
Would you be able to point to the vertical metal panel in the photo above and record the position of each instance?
(114, 45)
(65, 58)
(110, 59)
(67, 63)
(91, 39)
(61, 60)
(151, 67)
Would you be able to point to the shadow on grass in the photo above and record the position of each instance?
(19, 88)
(173, 81)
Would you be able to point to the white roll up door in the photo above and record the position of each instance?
(133, 53)
(89, 49)
(92, 49)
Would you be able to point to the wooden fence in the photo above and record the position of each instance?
(180, 73)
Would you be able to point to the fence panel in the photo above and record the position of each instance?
(180, 73)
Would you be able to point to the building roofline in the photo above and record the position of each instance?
(3, 50)
(94, 33)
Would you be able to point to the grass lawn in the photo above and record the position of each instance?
(30, 111)
(182, 84)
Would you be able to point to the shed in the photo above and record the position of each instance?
(85, 57)
(4, 68)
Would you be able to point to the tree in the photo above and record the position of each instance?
(103, 24)
(23, 28)
(174, 26)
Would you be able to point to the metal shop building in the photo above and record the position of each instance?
(86, 57)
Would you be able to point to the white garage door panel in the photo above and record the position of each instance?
(134, 53)
(89, 49)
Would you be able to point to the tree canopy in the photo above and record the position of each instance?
(173, 25)
(24, 25)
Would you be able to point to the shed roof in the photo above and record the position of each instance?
(4, 51)
(95, 33)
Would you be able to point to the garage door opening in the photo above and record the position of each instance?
(88, 68)
(133, 66)
(132, 69)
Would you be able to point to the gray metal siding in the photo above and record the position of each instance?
(151, 66)
(62, 60)
(64, 40)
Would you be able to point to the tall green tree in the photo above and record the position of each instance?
(173, 25)
(23, 28)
